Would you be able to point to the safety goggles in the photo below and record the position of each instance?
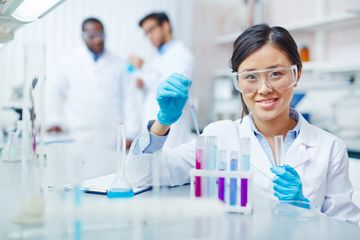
(92, 35)
(150, 29)
(279, 78)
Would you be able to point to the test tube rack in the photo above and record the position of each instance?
(227, 175)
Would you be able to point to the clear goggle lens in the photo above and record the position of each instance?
(275, 78)
(92, 35)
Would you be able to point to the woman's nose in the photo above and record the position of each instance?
(264, 88)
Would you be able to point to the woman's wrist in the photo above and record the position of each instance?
(159, 129)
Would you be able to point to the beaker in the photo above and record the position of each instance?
(120, 188)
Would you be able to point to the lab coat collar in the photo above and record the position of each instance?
(87, 55)
(298, 151)
(295, 156)
(163, 48)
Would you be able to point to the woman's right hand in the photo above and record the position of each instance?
(172, 95)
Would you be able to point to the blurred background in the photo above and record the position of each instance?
(327, 33)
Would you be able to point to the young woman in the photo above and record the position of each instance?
(267, 67)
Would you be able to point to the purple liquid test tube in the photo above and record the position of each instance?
(244, 192)
(244, 166)
(221, 180)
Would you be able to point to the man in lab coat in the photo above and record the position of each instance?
(172, 57)
(86, 96)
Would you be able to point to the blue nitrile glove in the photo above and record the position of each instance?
(171, 97)
(288, 186)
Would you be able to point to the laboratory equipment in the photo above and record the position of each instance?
(297, 97)
(33, 204)
(199, 151)
(221, 180)
(233, 181)
(13, 149)
(130, 68)
(210, 164)
(279, 150)
(347, 114)
(205, 158)
(295, 210)
(231, 195)
(193, 113)
(304, 53)
(120, 188)
(244, 166)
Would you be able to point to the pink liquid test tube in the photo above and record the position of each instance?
(198, 160)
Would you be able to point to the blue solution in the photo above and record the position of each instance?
(233, 183)
(120, 193)
(130, 68)
(78, 230)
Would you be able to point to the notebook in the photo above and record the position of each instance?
(99, 185)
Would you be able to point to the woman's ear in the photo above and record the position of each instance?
(299, 74)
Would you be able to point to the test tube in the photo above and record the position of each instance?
(233, 181)
(200, 145)
(244, 166)
(279, 150)
(211, 157)
(221, 181)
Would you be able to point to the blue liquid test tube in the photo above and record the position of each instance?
(233, 181)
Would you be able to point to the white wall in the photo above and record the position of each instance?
(60, 31)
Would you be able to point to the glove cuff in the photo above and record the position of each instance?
(167, 120)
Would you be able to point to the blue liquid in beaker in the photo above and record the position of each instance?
(120, 193)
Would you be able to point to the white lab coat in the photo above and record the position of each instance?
(87, 98)
(176, 59)
(319, 157)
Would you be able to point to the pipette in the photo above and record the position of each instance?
(193, 113)
(192, 108)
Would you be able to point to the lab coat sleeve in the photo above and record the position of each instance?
(55, 95)
(338, 198)
(148, 142)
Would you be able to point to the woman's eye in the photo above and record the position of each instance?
(275, 74)
(250, 77)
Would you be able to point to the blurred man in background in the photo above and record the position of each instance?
(86, 96)
(172, 57)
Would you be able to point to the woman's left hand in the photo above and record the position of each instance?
(288, 186)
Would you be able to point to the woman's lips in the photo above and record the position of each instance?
(267, 104)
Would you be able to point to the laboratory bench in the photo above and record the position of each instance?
(162, 213)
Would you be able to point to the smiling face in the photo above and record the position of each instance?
(267, 104)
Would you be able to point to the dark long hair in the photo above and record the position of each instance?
(256, 37)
